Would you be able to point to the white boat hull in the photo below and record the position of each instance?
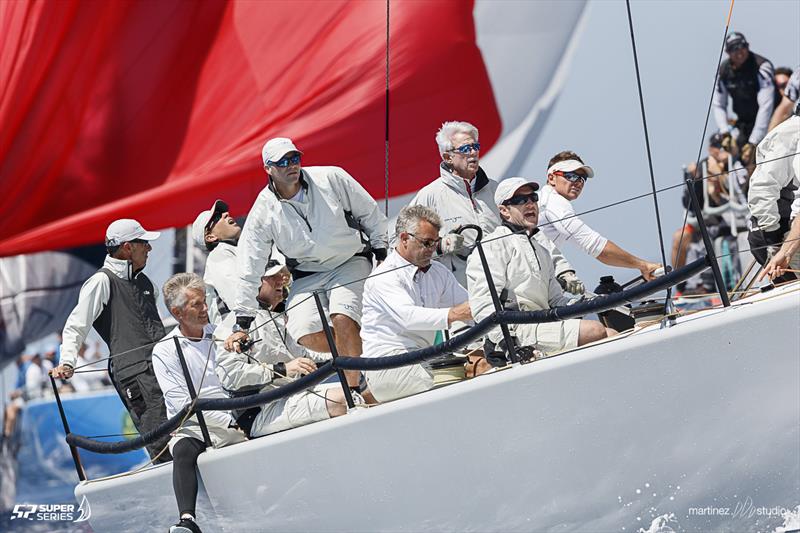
(701, 415)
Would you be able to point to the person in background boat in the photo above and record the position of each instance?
(463, 194)
(119, 301)
(522, 272)
(566, 178)
(782, 75)
(791, 94)
(317, 217)
(717, 185)
(17, 396)
(273, 359)
(773, 194)
(748, 79)
(185, 297)
(216, 230)
(780, 262)
(407, 300)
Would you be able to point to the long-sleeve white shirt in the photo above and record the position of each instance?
(403, 306)
(558, 221)
(201, 361)
(311, 230)
(221, 275)
(95, 294)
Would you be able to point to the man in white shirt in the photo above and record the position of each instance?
(407, 299)
(522, 272)
(328, 228)
(184, 295)
(217, 231)
(566, 177)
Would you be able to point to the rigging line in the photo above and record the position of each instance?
(708, 114)
(386, 122)
(646, 136)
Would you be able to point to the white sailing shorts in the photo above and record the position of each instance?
(293, 411)
(550, 337)
(340, 297)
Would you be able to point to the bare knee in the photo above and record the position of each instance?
(335, 402)
(315, 341)
(344, 325)
(590, 331)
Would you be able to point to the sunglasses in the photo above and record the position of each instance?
(467, 148)
(572, 177)
(286, 161)
(138, 241)
(426, 243)
(522, 199)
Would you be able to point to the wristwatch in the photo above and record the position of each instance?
(238, 328)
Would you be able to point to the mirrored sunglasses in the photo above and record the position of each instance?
(467, 148)
(286, 161)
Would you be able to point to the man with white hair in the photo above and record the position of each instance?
(119, 301)
(218, 232)
(522, 272)
(406, 301)
(566, 177)
(185, 297)
(463, 194)
(328, 228)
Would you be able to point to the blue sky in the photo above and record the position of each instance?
(598, 116)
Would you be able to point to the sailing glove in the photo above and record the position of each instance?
(570, 282)
(451, 243)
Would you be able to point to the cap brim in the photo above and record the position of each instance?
(150, 235)
(571, 166)
(219, 207)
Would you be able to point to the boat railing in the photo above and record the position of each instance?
(339, 364)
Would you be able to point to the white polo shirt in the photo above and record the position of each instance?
(404, 307)
(558, 221)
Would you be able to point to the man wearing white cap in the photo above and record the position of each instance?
(216, 230)
(328, 227)
(566, 177)
(522, 272)
(119, 301)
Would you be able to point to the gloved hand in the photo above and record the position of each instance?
(748, 156)
(570, 282)
(452, 242)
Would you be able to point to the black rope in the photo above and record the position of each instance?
(708, 116)
(386, 124)
(598, 304)
(646, 136)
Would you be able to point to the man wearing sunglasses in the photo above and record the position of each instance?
(407, 300)
(119, 301)
(566, 178)
(748, 79)
(217, 231)
(523, 275)
(328, 228)
(462, 194)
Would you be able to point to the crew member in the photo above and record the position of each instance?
(119, 301)
(184, 296)
(566, 178)
(406, 301)
(317, 217)
(522, 272)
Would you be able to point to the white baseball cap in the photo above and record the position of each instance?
(200, 224)
(276, 148)
(126, 230)
(571, 165)
(508, 187)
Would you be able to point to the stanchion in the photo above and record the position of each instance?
(72, 449)
(192, 393)
(498, 307)
(334, 352)
(712, 257)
